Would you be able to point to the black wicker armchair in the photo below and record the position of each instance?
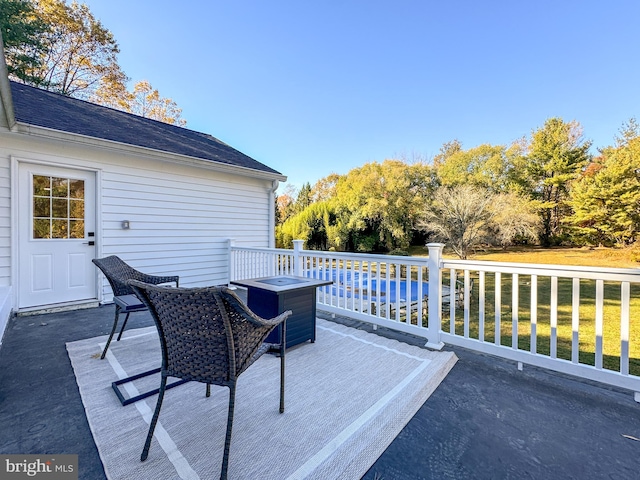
(208, 335)
(118, 273)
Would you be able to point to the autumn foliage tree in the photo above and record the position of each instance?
(372, 208)
(467, 216)
(459, 216)
(78, 50)
(146, 101)
(63, 48)
(492, 167)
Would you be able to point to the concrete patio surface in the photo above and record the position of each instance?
(487, 420)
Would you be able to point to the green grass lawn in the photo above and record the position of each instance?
(611, 258)
(594, 257)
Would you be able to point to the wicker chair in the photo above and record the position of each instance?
(118, 273)
(208, 335)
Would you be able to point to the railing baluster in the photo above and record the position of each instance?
(419, 297)
(352, 281)
(407, 293)
(452, 301)
(498, 308)
(398, 299)
(342, 283)
(553, 321)
(481, 305)
(625, 294)
(378, 289)
(336, 293)
(599, 321)
(533, 309)
(358, 286)
(575, 321)
(515, 291)
(466, 300)
(243, 266)
(320, 274)
(387, 283)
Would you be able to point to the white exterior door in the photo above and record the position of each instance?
(56, 235)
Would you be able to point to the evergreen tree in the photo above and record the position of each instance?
(557, 155)
(606, 199)
(21, 30)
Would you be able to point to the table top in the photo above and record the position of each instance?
(281, 283)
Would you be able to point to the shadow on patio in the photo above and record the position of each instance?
(485, 420)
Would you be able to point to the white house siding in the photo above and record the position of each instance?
(181, 219)
(180, 215)
(6, 296)
(5, 219)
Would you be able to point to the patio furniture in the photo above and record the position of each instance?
(208, 335)
(270, 296)
(118, 273)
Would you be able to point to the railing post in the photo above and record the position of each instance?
(434, 300)
(232, 267)
(297, 257)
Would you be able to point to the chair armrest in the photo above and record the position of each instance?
(237, 303)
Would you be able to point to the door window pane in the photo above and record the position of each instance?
(58, 207)
(41, 185)
(41, 228)
(59, 187)
(59, 229)
(41, 207)
(76, 208)
(76, 189)
(76, 228)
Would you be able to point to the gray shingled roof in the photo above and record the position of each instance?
(34, 106)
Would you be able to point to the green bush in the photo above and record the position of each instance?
(399, 252)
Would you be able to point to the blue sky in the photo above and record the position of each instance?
(316, 87)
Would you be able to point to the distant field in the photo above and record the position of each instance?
(594, 257)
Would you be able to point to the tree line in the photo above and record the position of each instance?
(63, 48)
(546, 189)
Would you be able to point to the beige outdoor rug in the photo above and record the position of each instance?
(347, 396)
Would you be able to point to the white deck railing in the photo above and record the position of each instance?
(511, 310)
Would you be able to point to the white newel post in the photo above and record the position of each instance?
(297, 257)
(232, 267)
(434, 300)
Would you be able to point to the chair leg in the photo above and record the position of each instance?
(113, 330)
(282, 352)
(123, 325)
(227, 440)
(154, 419)
(208, 389)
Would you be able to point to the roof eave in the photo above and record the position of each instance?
(111, 145)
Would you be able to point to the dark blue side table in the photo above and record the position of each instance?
(268, 297)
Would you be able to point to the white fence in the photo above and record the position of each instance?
(576, 320)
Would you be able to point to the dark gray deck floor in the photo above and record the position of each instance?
(487, 420)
